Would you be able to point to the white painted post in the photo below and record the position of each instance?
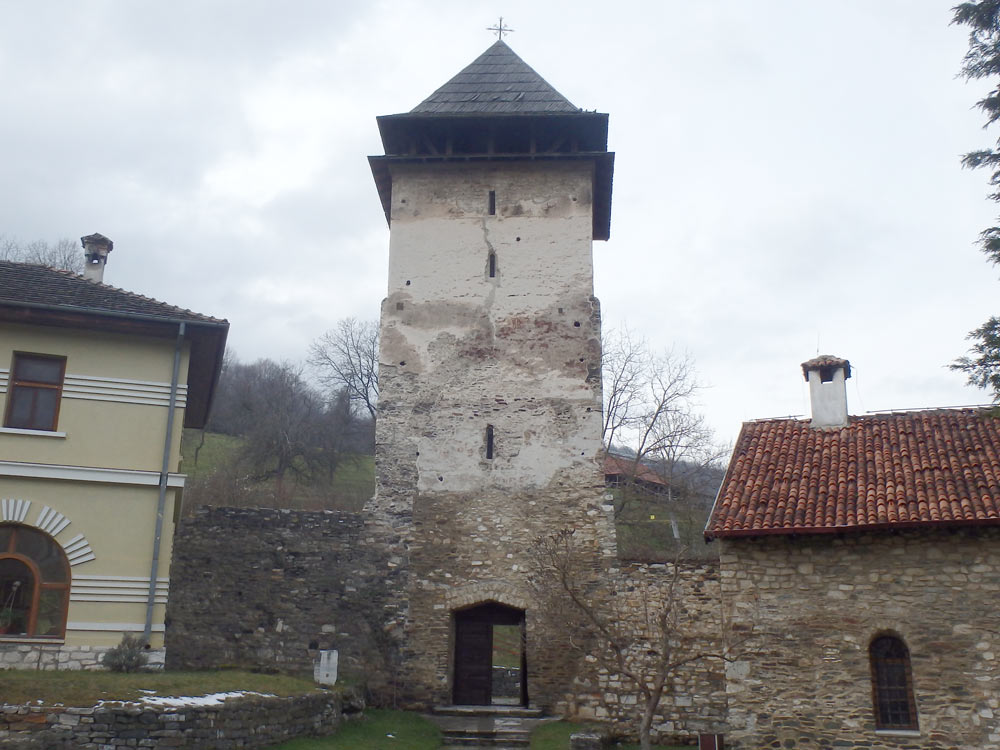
(325, 669)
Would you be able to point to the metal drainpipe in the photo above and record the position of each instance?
(164, 473)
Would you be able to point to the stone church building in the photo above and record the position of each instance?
(868, 551)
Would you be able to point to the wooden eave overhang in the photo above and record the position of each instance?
(419, 138)
(207, 340)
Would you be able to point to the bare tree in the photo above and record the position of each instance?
(646, 646)
(287, 427)
(346, 358)
(63, 253)
(651, 418)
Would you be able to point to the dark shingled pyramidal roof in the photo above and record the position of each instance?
(496, 81)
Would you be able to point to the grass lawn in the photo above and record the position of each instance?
(83, 689)
(213, 453)
(554, 736)
(376, 730)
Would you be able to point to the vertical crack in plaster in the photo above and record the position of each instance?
(491, 294)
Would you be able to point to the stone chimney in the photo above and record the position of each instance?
(95, 255)
(827, 378)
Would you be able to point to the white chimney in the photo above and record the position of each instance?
(95, 255)
(827, 378)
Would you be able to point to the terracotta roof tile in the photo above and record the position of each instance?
(905, 469)
(28, 284)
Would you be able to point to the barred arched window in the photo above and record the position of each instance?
(892, 684)
(34, 584)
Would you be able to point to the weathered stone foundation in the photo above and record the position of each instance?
(58, 656)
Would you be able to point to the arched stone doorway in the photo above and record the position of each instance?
(489, 659)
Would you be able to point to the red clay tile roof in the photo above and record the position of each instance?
(880, 471)
(28, 284)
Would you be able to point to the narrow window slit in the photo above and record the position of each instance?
(493, 265)
(493, 203)
(489, 441)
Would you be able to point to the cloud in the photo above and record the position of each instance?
(786, 173)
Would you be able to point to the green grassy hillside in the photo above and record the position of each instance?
(216, 477)
(649, 527)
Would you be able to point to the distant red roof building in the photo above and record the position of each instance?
(620, 470)
(916, 469)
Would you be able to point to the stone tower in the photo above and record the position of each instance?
(489, 416)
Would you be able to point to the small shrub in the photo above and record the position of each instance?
(127, 656)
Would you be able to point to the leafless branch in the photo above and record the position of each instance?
(645, 645)
(64, 253)
(345, 358)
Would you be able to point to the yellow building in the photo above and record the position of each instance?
(95, 386)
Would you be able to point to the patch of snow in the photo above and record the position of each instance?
(212, 699)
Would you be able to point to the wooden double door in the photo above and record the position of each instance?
(490, 665)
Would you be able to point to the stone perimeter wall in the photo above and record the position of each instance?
(261, 588)
(820, 600)
(257, 587)
(248, 722)
(695, 700)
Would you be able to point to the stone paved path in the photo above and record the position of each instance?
(496, 727)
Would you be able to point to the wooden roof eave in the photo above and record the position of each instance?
(393, 127)
(207, 339)
(208, 347)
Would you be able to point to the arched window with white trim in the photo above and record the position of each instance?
(34, 583)
(892, 684)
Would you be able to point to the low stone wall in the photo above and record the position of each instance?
(263, 588)
(56, 656)
(247, 722)
(694, 701)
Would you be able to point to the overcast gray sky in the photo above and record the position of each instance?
(787, 173)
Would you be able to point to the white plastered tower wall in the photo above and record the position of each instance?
(519, 351)
(488, 433)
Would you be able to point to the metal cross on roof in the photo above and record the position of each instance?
(500, 29)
